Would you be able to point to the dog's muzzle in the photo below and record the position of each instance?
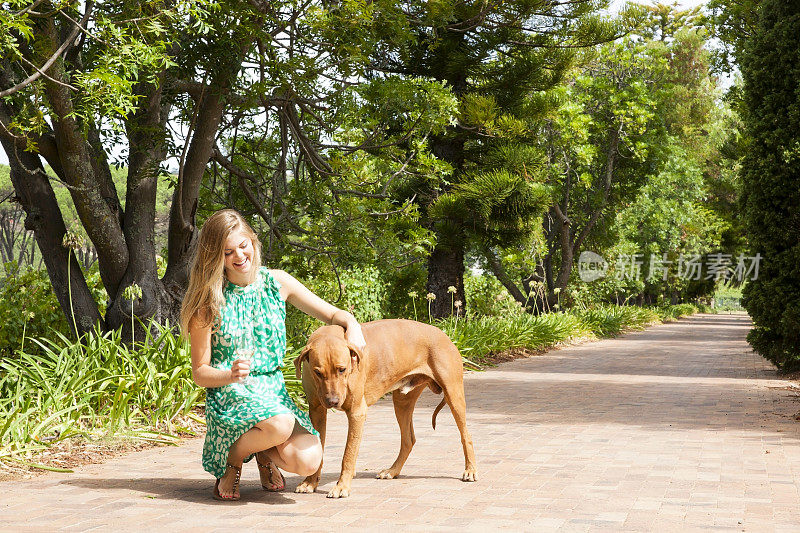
(331, 401)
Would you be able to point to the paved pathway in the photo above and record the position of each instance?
(679, 427)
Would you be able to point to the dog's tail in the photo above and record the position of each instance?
(436, 412)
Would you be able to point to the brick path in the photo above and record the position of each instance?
(678, 427)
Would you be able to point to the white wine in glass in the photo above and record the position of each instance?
(245, 347)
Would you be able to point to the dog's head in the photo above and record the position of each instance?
(330, 360)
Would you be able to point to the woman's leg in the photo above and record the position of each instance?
(265, 434)
(301, 453)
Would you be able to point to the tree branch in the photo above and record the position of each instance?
(61, 49)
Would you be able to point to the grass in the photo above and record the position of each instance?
(100, 388)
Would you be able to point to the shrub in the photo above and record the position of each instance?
(605, 321)
(398, 283)
(480, 337)
(770, 68)
(673, 312)
(363, 292)
(486, 296)
(28, 303)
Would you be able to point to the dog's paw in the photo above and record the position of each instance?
(387, 474)
(470, 474)
(306, 487)
(339, 492)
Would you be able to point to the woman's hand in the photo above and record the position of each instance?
(240, 370)
(354, 335)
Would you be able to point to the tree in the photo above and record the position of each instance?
(770, 201)
(601, 145)
(172, 81)
(666, 169)
(733, 23)
(492, 56)
(665, 20)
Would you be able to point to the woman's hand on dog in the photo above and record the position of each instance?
(354, 335)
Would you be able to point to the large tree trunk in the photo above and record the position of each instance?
(182, 232)
(43, 217)
(446, 269)
(145, 131)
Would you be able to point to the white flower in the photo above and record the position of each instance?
(132, 291)
(430, 297)
(72, 240)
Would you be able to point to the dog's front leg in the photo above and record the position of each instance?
(319, 417)
(355, 426)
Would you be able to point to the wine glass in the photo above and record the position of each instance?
(245, 347)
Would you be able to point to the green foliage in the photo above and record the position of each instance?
(362, 293)
(770, 68)
(123, 51)
(728, 298)
(487, 297)
(100, 388)
(399, 283)
(481, 337)
(677, 311)
(611, 320)
(28, 305)
(733, 23)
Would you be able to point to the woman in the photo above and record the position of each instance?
(231, 297)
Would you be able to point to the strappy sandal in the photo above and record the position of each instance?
(270, 474)
(235, 497)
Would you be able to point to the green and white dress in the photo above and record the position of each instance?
(234, 409)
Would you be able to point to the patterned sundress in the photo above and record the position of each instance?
(234, 409)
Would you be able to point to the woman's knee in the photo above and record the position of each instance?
(308, 460)
(280, 426)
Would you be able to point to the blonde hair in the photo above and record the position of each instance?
(204, 296)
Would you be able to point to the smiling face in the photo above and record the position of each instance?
(238, 252)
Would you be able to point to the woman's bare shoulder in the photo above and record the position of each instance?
(201, 318)
(280, 276)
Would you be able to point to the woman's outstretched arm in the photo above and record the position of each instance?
(299, 296)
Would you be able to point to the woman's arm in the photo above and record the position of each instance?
(203, 373)
(299, 296)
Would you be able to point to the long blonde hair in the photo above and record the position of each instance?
(204, 296)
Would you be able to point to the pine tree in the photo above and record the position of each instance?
(492, 57)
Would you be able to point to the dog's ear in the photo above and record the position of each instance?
(298, 362)
(355, 355)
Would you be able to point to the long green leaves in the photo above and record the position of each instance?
(94, 388)
(479, 338)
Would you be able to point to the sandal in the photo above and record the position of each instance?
(235, 497)
(270, 473)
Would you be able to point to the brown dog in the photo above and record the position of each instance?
(401, 356)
